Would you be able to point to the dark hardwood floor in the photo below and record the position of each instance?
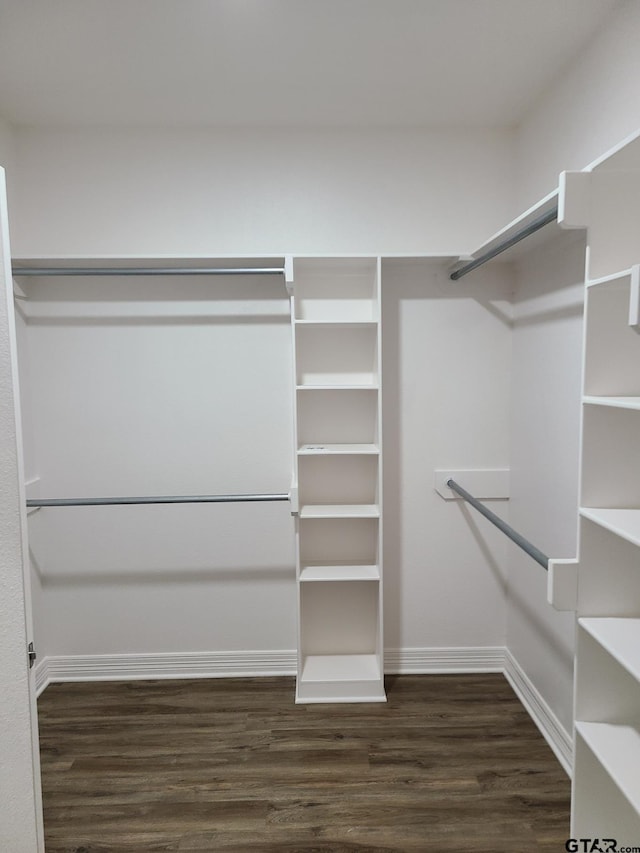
(449, 763)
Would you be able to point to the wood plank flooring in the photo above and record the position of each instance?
(449, 763)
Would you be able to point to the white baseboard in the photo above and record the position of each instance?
(549, 725)
(418, 661)
(277, 663)
(128, 667)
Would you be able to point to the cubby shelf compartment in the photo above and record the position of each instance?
(337, 355)
(611, 451)
(612, 345)
(340, 637)
(613, 221)
(609, 569)
(605, 802)
(623, 522)
(619, 637)
(617, 749)
(338, 416)
(339, 541)
(345, 479)
(342, 290)
(349, 572)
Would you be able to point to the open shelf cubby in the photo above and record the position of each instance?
(606, 784)
(337, 416)
(340, 641)
(338, 290)
(609, 572)
(614, 221)
(612, 352)
(613, 696)
(337, 355)
(611, 450)
(339, 541)
(338, 479)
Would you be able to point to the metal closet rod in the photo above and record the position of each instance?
(519, 540)
(155, 499)
(527, 231)
(87, 271)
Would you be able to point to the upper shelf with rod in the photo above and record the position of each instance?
(571, 205)
(130, 266)
(540, 220)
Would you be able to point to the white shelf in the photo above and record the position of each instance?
(529, 216)
(338, 450)
(617, 748)
(342, 324)
(335, 386)
(620, 276)
(339, 511)
(335, 572)
(613, 402)
(620, 637)
(623, 522)
(331, 668)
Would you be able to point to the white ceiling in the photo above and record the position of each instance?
(297, 63)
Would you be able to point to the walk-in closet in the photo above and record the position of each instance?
(319, 397)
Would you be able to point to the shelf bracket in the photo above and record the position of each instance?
(574, 200)
(562, 584)
(288, 274)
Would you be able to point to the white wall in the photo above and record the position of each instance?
(107, 192)
(446, 357)
(160, 386)
(545, 435)
(592, 107)
(184, 387)
(216, 192)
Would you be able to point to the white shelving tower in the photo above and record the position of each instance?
(606, 778)
(337, 493)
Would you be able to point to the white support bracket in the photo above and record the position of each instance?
(288, 274)
(574, 200)
(562, 584)
(293, 499)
